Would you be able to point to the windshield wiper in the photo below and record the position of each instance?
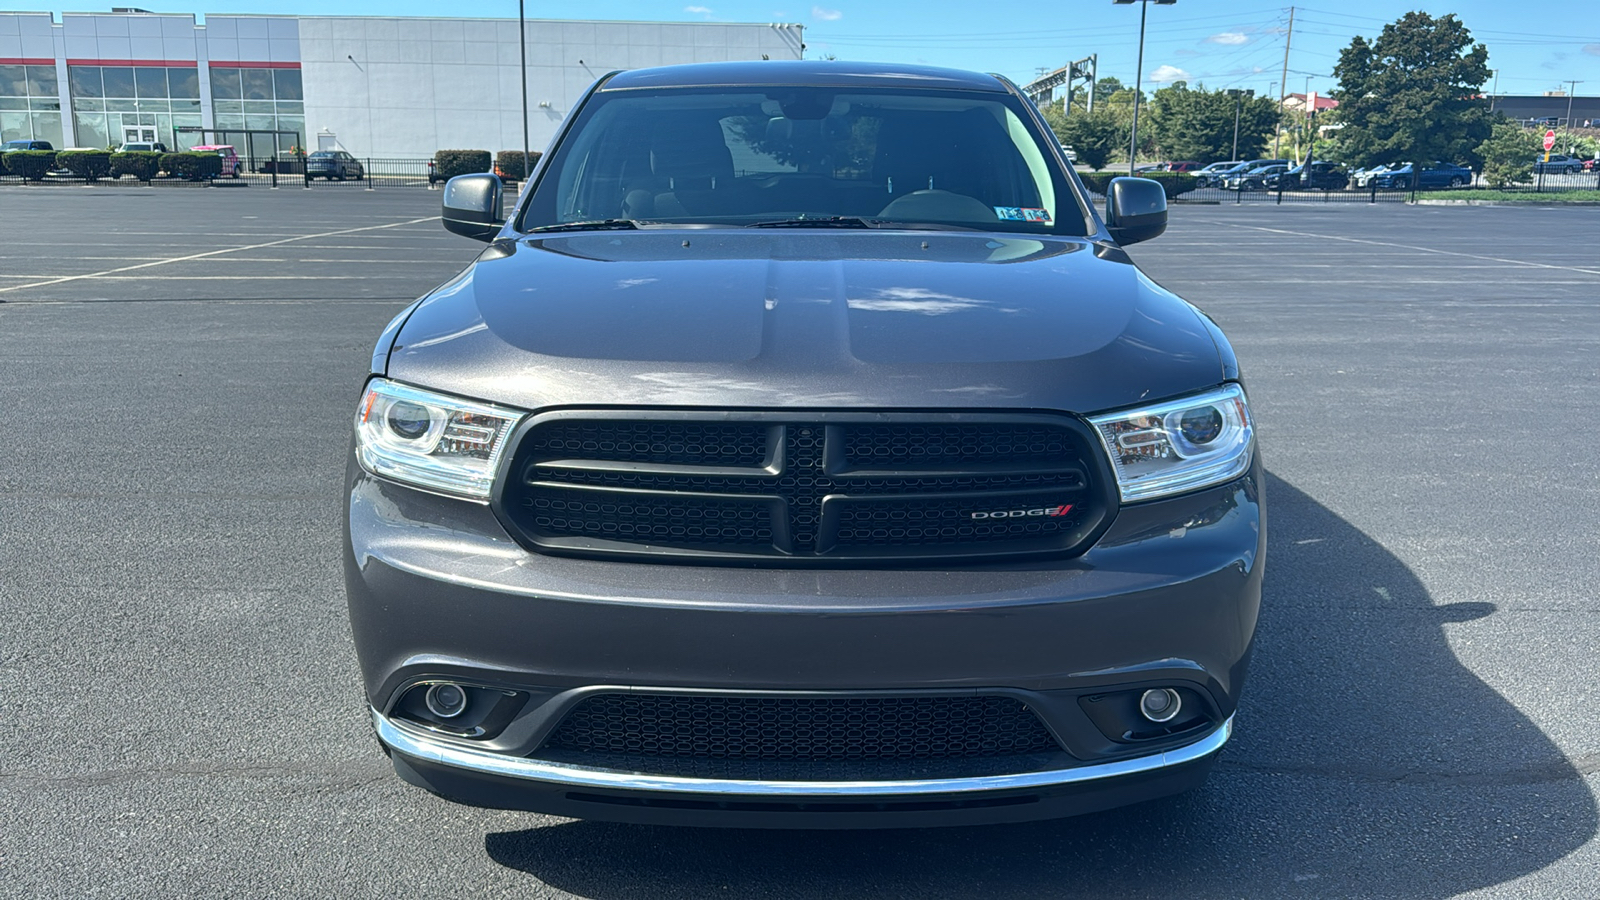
(596, 225)
(819, 222)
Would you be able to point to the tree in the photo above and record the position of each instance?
(1198, 124)
(1096, 137)
(1508, 154)
(1414, 94)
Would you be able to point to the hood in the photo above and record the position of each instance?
(810, 318)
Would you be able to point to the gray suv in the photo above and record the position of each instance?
(803, 450)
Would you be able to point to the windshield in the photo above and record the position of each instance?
(742, 156)
(322, 154)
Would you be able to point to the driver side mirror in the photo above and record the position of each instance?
(1136, 209)
(473, 206)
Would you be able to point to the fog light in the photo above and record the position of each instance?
(448, 700)
(1159, 705)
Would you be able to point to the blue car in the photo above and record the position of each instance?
(1436, 175)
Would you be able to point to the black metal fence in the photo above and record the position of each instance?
(286, 172)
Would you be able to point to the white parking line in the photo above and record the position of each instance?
(1351, 240)
(162, 262)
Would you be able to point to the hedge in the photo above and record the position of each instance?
(30, 164)
(1174, 183)
(141, 164)
(193, 166)
(450, 163)
(86, 164)
(508, 163)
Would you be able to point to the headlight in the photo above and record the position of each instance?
(429, 440)
(1179, 445)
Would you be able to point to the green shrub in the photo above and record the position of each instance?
(1509, 153)
(141, 164)
(1174, 183)
(193, 166)
(30, 164)
(508, 163)
(450, 163)
(87, 164)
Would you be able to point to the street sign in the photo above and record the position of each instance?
(1549, 140)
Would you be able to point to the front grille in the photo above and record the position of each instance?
(831, 729)
(785, 488)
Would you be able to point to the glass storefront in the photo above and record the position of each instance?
(30, 105)
(259, 98)
(112, 105)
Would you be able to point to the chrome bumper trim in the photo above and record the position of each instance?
(415, 744)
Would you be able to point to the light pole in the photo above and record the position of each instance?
(1138, 73)
(1238, 102)
(522, 34)
(1494, 91)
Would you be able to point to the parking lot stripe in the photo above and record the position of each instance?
(1351, 240)
(162, 262)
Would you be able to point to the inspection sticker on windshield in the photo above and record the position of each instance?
(1022, 213)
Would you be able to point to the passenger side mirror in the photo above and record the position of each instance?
(473, 206)
(1136, 209)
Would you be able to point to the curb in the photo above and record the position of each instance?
(1431, 202)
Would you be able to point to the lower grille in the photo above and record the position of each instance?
(822, 487)
(801, 729)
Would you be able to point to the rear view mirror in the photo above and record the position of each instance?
(473, 206)
(1136, 209)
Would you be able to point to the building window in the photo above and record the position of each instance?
(30, 106)
(259, 98)
(112, 105)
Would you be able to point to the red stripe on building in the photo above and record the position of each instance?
(26, 61)
(167, 63)
(215, 64)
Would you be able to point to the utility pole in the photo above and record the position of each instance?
(1570, 92)
(1277, 133)
(522, 32)
(1494, 91)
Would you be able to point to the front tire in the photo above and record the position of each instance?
(1455, 181)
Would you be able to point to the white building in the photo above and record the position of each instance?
(383, 87)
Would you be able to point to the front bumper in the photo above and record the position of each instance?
(1168, 596)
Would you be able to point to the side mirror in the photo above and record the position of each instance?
(473, 206)
(1136, 209)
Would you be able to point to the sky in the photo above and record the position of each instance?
(1536, 45)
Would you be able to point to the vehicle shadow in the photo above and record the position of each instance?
(1367, 762)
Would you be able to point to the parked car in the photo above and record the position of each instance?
(1211, 176)
(1545, 121)
(1181, 166)
(1071, 154)
(1255, 179)
(814, 498)
(334, 165)
(14, 146)
(1435, 175)
(143, 147)
(1322, 176)
(1150, 167)
(1590, 165)
(1558, 164)
(232, 165)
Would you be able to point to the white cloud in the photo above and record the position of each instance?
(698, 10)
(1168, 74)
(823, 14)
(1230, 38)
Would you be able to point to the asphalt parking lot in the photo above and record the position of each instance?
(177, 374)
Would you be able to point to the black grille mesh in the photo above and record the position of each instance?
(685, 443)
(818, 729)
(883, 446)
(683, 519)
